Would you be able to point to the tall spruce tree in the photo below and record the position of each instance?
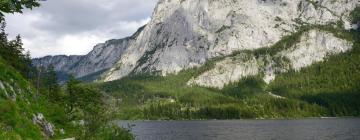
(52, 85)
(71, 97)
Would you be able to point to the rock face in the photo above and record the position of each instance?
(11, 90)
(101, 58)
(229, 70)
(186, 33)
(313, 46)
(60, 62)
(3, 89)
(47, 127)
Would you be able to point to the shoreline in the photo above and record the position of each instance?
(255, 119)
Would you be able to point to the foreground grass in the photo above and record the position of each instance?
(16, 113)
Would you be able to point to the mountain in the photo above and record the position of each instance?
(184, 34)
(101, 58)
(230, 59)
(187, 33)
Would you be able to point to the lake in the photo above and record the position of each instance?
(306, 129)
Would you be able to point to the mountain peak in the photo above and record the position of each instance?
(184, 34)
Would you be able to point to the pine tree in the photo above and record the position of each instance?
(12, 52)
(53, 87)
(29, 68)
(71, 99)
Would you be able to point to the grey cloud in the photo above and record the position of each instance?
(71, 16)
(59, 24)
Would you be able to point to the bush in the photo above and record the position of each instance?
(355, 15)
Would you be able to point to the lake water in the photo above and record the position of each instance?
(307, 129)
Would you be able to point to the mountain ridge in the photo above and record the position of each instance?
(101, 58)
(228, 59)
(183, 35)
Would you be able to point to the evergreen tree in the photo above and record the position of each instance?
(12, 52)
(71, 97)
(30, 69)
(52, 85)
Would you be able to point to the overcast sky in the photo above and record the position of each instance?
(73, 27)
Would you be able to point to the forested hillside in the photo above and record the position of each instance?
(33, 106)
(328, 88)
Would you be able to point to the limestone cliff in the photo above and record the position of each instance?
(186, 33)
(313, 46)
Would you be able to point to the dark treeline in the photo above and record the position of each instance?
(250, 100)
(12, 52)
(44, 79)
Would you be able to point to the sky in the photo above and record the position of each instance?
(74, 27)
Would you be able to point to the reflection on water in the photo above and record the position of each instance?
(308, 129)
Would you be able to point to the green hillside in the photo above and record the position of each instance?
(329, 88)
(33, 106)
(19, 103)
(15, 119)
(333, 84)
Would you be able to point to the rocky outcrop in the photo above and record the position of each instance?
(47, 127)
(313, 46)
(11, 90)
(229, 70)
(3, 89)
(186, 33)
